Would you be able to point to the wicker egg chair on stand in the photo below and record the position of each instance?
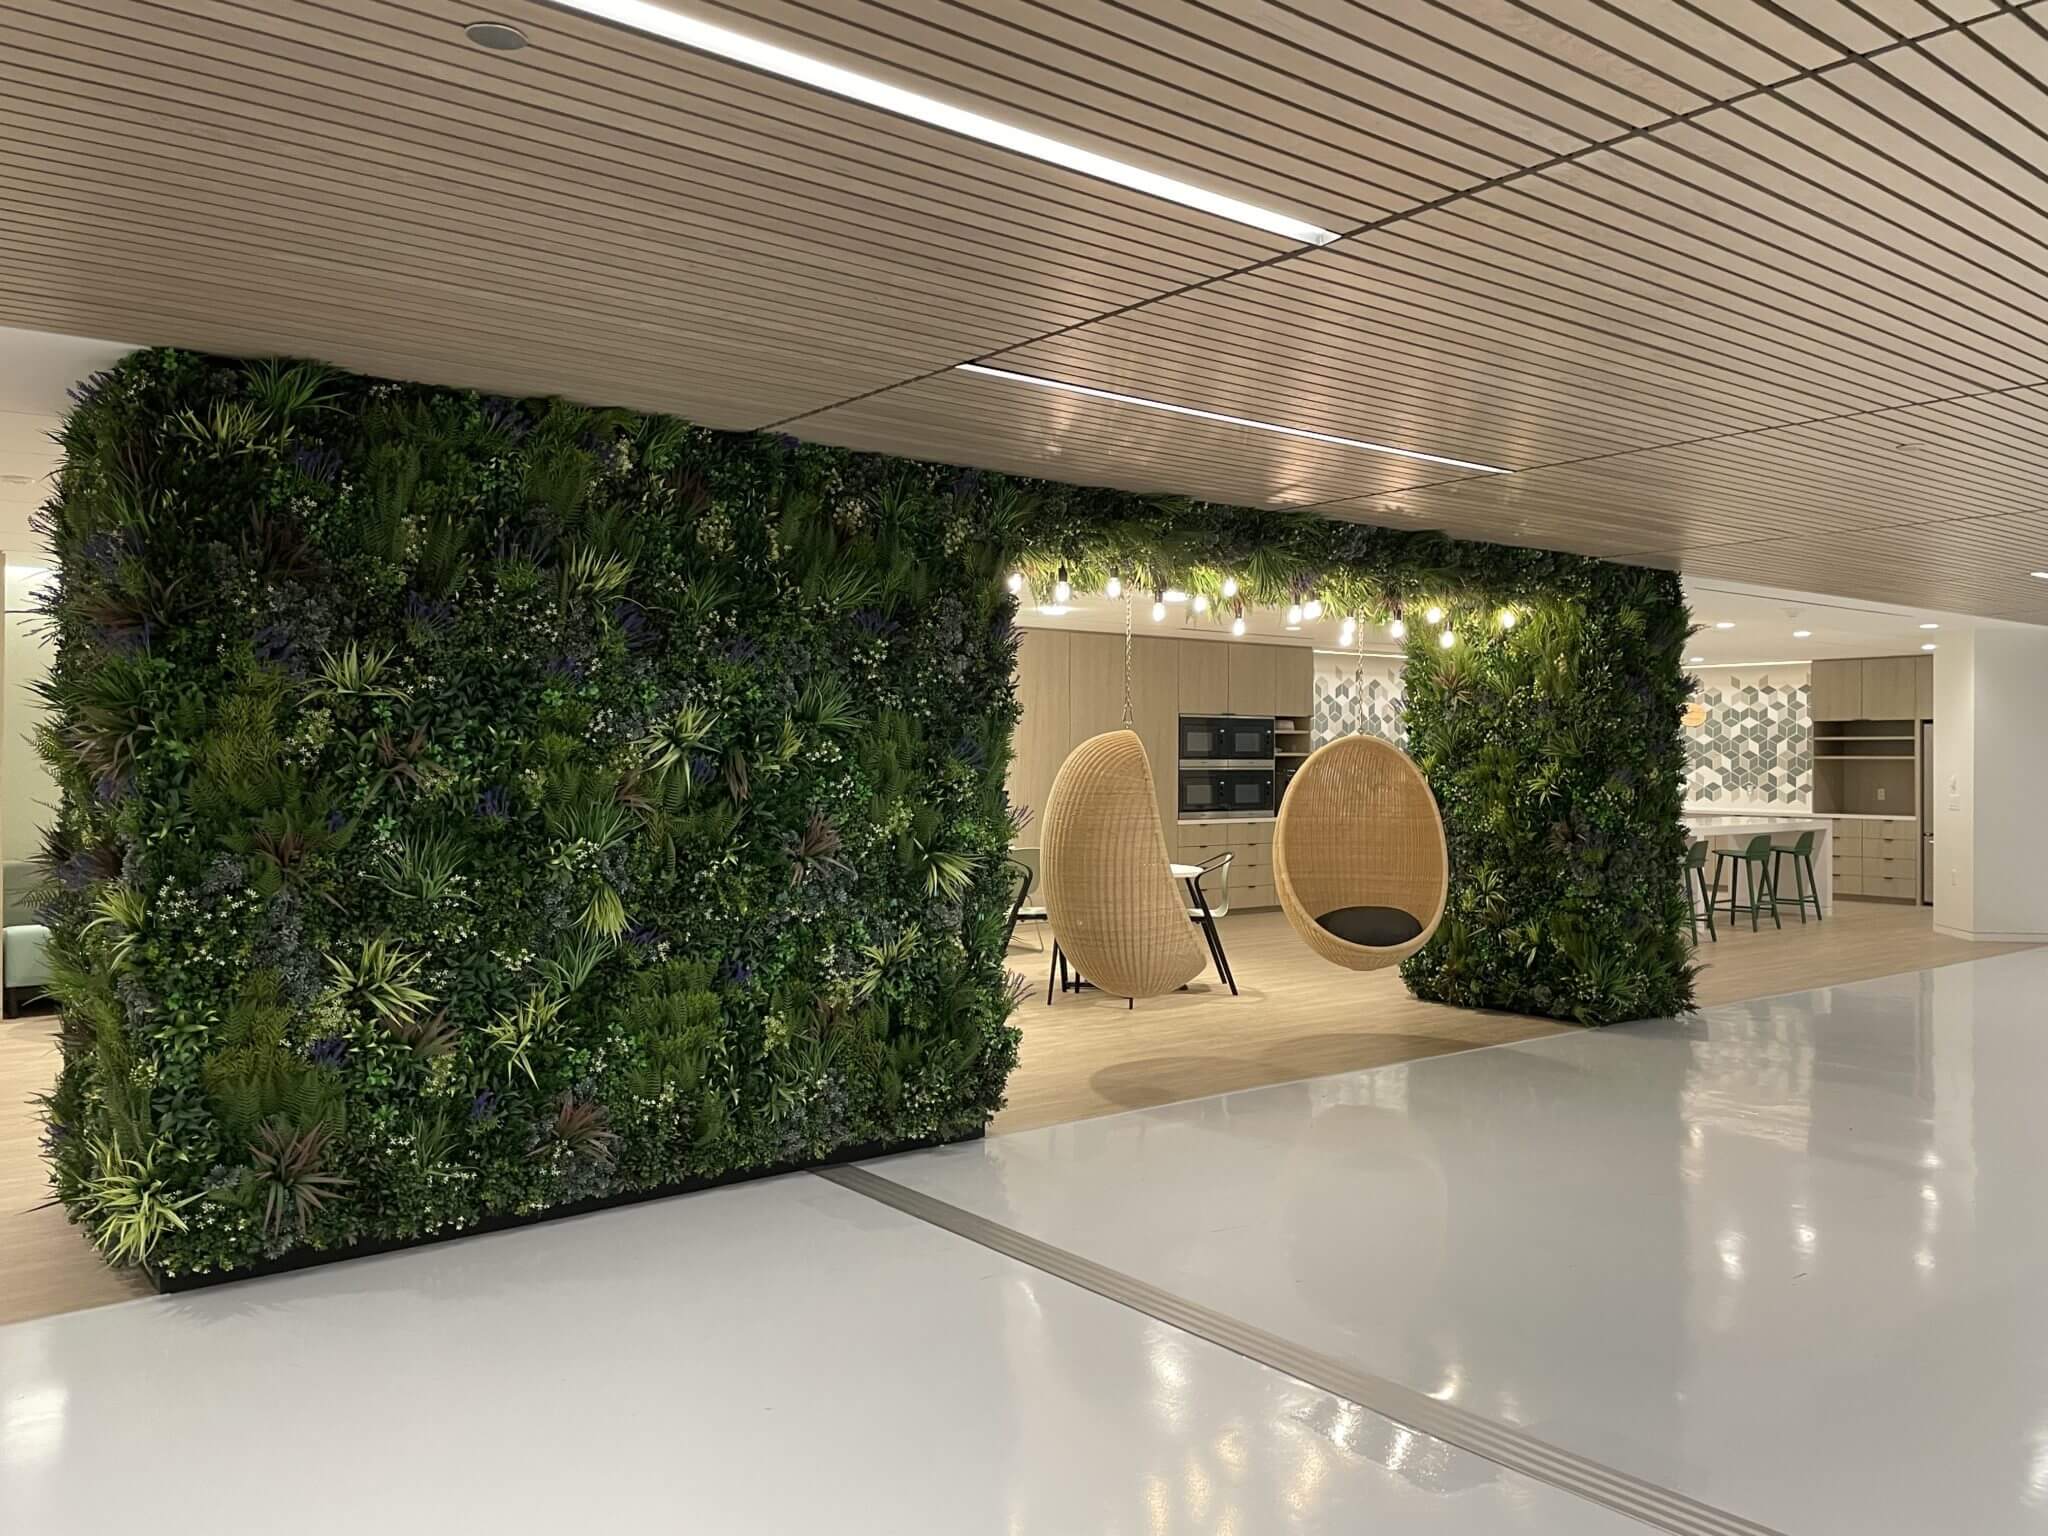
(1115, 909)
(1359, 861)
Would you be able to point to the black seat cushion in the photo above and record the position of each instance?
(1373, 927)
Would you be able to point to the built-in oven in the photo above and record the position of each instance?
(1226, 791)
(1226, 739)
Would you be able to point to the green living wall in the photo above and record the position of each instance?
(475, 806)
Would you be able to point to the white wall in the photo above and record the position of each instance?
(1990, 746)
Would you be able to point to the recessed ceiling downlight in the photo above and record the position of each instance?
(495, 35)
(691, 32)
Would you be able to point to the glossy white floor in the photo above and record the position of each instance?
(1787, 1259)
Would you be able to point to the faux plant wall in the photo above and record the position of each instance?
(471, 807)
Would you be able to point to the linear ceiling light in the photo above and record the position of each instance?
(672, 26)
(1231, 421)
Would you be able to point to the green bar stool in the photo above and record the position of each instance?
(1804, 881)
(1752, 860)
(1696, 892)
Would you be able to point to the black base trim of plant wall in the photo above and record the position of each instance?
(313, 1258)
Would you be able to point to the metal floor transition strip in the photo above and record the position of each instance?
(1657, 1507)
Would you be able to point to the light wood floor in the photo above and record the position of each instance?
(1087, 1054)
(1299, 1017)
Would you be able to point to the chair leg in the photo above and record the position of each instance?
(1813, 885)
(1712, 936)
(1799, 885)
(1052, 969)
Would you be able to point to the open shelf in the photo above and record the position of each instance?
(1863, 757)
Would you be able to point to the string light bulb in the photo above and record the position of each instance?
(1114, 587)
(1312, 609)
(1507, 618)
(1447, 639)
(1158, 606)
(1201, 603)
(1062, 589)
(1347, 631)
(1016, 581)
(1398, 629)
(1230, 586)
(1433, 613)
(1294, 615)
(1237, 625)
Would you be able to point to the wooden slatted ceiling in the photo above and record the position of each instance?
(1695, 269)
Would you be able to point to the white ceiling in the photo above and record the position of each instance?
(1757, 289)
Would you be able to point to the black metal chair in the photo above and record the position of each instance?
(1205, 908)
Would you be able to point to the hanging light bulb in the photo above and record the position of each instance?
(1230, 586)
(1346, 631)
(1398, 629)
(1201, 603)
(1294, 615)
(1507, 618)
(1312, 609)
(1114, 587)
(1016, 581)
(1434, 614)
(1175, 595)
(1447, 639)
(1062, 589)
(1237, 625)
(1158, 606)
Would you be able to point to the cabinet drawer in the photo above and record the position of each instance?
(1849, 885)
(1250, 895)
(1898, 888)
(1895, 831)
(1848, 865)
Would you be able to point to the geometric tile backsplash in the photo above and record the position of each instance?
(1354, 693)
(1756, 745)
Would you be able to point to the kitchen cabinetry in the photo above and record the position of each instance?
(1872, 688)
(1888, 692)
(1250, 844)
(1294, 696)
(1204, 677)
(1071, 687)
(1254, 678)
(1877, 857)
(1041, 743)
(1835, 690)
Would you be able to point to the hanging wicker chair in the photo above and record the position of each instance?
(1359, 862)
(1109, 894)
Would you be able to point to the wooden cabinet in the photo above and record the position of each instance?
(1294, 695)
(1041, 742)
(1836, 690)
(1155, 713)
(1873, 688)
(1204, 684)
(1254, 679)
(1095, 686)
(1250, 845)
(1888, 689)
